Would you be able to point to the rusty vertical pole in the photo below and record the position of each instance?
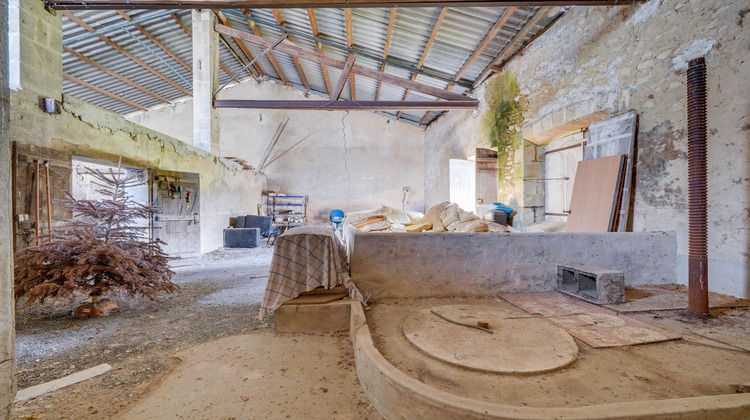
(697, 175)
(36, 200)
(49, 201)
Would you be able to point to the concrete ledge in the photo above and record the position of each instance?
(398, 396)
(467, 264)
(327, 317)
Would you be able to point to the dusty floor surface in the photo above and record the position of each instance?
(220, 297)
(651, 371)
(261, 376)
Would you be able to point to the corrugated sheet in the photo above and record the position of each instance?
(459, 35)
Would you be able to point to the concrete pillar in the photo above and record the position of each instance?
(7, 313)
(205, 81)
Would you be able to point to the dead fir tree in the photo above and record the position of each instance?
(100, 249)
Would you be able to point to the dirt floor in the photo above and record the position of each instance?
(664, 370)
(220, 297)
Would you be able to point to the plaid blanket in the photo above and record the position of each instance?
(305, 258)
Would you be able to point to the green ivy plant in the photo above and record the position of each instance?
(505, 112)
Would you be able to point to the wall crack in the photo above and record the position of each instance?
(346, 162)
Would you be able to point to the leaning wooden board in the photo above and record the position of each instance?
(616, 136)
(597, 189)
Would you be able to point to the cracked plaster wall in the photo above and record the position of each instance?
(634, 57)
(351, 160)
(89, 131)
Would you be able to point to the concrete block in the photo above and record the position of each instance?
(328, 317)
(596, 284)
(242, 238)
(261, 222)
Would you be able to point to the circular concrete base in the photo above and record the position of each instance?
(520, 345)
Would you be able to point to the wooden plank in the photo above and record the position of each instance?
(316, 299)
(300, 71)
(155, 41)
(611, 137)
(485, 42)
(594, 201)
(125, 53)
(286, 4)
(47, 387)
(113, 74)
(319, 46)
(342, 79)
(103, 92)
(385, 48)
(291, 49)
(348, 105)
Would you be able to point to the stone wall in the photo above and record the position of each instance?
(351, 160)
(608, 60)
(7, 313)
(85, 130)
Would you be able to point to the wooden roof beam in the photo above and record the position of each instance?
(157, 43)
(291, 49)
(350, 44)
(300, 71)
(435, 28)
(125, 53)
(286, 4)
(319, 46)
(269, 54)
(239, 42)
(342, 79)
(91, 62)
(385, 48)
(103, 92)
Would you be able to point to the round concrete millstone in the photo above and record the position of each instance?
(518, 345)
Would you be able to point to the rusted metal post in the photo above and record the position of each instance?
(49, 201)
(697, 196)
(36, 200)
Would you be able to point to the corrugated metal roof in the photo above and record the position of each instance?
(459, 35)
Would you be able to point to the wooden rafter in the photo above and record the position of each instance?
(300, 71)
(190, 34)
(425, 51)
(154, 40)
(285, 4)
(342, 79)
(291, 49)
(350, 44)
(91, 62)
(103, 92)
(269, 54)
(516, 39)
(348, 105)
(125, 53)
(224, 21)
(482, 45)
(385, 48)
(319, 46)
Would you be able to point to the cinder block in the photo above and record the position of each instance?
(595, 284)
(327, 317)
(241, 238)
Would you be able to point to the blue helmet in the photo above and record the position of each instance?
(336, 216)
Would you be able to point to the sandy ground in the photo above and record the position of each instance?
(220, 297)
(261, 376)
(651, 371)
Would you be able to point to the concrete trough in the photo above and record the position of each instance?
(431, 264)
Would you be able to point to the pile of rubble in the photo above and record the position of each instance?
(444, 217)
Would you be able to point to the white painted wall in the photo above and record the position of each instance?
(351, 160)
